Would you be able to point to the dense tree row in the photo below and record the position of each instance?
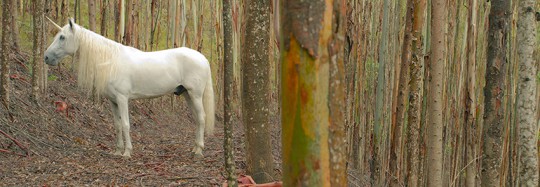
(373, 92)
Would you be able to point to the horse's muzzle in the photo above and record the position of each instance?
(49, 60)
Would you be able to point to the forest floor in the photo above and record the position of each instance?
(74, 148)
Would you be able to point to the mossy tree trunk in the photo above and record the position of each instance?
(228, 91)
(256, 91)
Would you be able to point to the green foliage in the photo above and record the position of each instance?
(52, 77)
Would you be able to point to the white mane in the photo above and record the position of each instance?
(98, 60)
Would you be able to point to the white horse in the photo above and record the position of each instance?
(121, 73)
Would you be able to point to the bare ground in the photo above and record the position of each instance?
(75, 149)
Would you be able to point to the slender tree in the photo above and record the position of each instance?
(37, 65)
(527, 117)
(416, 94)
(122, 19)
(337, 96)
(494, 109)
(403, 95)
(435, 100)
(470, 96)
(4, 58)
(256, 89)
(92, 15)
(14, 26)
(104, 5)
(228, 88)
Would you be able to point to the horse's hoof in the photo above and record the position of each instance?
(198, 155)
(117, 153)
(126, 155)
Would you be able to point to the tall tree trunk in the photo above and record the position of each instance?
(383, 61)
(104, 5)
(37, 65)
(128, 32)
(117, 21)
(228, 91)
(527, 117)
(470, 97)
(306, 33)
(337, 97)
(495, 108)
(435, 102)
(15, 28)
(416, 94)
(92, 15)
(256, 89)
(75, 7)
(122, 24)
(403, 95)
(4, 59)
(174, 22)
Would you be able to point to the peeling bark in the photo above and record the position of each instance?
(494, 110)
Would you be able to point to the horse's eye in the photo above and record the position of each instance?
(62, 37)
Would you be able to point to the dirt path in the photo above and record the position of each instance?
(72, 148)
(161, 156)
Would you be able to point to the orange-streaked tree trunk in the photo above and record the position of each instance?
(306, 34)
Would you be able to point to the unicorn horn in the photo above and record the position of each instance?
(59, 28)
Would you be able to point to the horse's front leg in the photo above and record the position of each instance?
(118, 129)
(122, 102)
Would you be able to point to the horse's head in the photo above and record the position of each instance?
(64, 43)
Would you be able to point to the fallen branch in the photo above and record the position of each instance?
(15, 141)
(14, 153)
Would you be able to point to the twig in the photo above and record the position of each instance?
(11, 152)
(183, 178)
(139, 175)
(472, 161)
(15, 141)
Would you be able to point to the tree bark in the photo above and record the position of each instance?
(92, 15)
(228, 87)
(37, 65)
(416, 94)
(470, 97)
(4, 59)
(122, 20)
(403, 95)
(104, 5)
(495, 108)
(527, 117)
(306, 31)
(337, 97)
(256, 89)
(435, 101)
(15, 28)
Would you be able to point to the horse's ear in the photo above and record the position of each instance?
(71, 23)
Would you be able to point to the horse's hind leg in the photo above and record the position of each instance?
(195, 102)
(118, 129)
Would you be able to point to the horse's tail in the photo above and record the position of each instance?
(208, 104)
